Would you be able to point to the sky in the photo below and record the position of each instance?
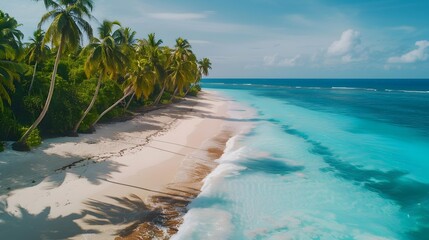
(277, 38)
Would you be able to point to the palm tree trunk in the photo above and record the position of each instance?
(32, 79)
(114, 105)
(91, 104)
(174, 94)
(129, 102)
(24, 137)
(187, 90)
(160, 94)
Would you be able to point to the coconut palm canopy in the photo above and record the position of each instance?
(94, 81)
(10, 47)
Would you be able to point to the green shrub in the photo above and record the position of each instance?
(165, 101)
(85, 126)
(194, 91)
(166, 95)
(34, 139)
(110, 92)
(1, 146)
(148, 102)
(9, 127)
(64, 110)
(33, 104)
(198, 87)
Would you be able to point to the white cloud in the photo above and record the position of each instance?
(178, 16)
(290, 62)
(196, 41)
(299, 19)
(270, 60)
(404, 28)
(348, 48)
(348, 41)
(416, 55)
(275, 60)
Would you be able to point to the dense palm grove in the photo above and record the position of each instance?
(54, 86)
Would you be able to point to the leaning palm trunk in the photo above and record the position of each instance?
(129, 102)
(160, 95)
(32, 79)
(91, 104)
(128, 93)
(174, 94)
(24, 137)
(189, 89)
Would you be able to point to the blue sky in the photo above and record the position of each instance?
(278, 38)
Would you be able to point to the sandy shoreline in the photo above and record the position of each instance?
(129, 177)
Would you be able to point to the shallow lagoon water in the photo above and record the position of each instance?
(322, 162)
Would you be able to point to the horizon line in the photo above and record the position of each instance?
(345, 78)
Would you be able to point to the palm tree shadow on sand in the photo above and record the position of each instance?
(129, 212)
(139, 220)
(25, 225)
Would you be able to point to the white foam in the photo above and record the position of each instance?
(354, 88)
(226, 166)
(212, 218)
(344, 88)
(406, 91)
(213, 224)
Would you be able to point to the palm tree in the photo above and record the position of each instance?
(125, 36)
(10, 43)
(64, 33)
(36, 52)
(181, 73)
(203, 69)
(158, 58)
(9, 33)
(127, 92)
(106, 28)
(8, 73)
(183, 50)
(204, 65)
(105, 58)
(140, 81)
(183, 66)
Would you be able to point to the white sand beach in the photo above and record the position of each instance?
(121, 178)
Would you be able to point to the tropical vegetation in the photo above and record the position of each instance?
(53, 85)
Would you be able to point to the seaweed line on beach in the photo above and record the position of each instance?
(173, 202)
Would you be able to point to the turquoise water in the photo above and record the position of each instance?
(325, 160)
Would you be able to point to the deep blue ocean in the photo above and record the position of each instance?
(326, 159)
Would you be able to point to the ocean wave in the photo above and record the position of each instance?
(353, 88)
(321, 88)
(406, 91)
(205, 220)
(196, 218)
(217, 83)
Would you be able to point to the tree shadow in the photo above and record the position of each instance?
(98, 172)
(24, 225)
(128, 211)
(53, 169)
